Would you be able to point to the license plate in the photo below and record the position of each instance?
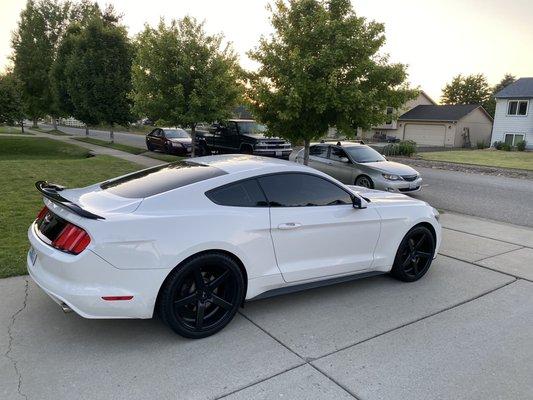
(33, 255)
(279, 153)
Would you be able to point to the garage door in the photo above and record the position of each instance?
(425, 134)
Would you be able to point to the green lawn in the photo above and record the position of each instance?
(23, 161)
(116, 146)
(491, 158)
(162, 156)
(12, 130)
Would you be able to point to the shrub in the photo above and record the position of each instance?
(481, 145)
(403, 148)
(521, 145)
(506, 147)
(498, 145)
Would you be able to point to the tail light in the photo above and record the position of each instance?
(42, 213)
(72, 239)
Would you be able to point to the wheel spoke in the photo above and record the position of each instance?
(411, 243)
(218, 281)
(185, 300)
(199, 279)
(419, 243)
(221, 302)
(407, 261)
(415, 267)
(200, 309)
(423, 254)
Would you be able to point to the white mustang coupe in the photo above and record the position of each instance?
(193, 240)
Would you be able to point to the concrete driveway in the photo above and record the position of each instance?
(465, 331)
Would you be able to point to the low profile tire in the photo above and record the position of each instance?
(149, 147)
(247, 150)
(365, 181)
(202, 296)
(414, 255)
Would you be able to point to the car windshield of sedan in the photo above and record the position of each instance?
(251, 127)
(176, 133)
(364, 154)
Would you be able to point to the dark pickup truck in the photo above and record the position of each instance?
(241, 136)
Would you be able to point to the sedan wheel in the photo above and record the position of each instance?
(364, 181)
(415, 254)
(202, 296)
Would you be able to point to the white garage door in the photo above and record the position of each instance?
(425, 134)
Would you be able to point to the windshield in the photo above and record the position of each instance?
(176, 133)
(249, 127)
(364, 154)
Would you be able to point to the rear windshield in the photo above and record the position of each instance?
(160, 179)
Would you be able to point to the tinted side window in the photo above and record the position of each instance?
(240, 194)
(319, 151)
(302, 190)
(337, 154)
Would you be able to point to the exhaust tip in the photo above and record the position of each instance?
(66, 309)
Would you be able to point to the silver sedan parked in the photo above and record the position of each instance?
(358, 164)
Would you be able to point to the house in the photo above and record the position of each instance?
(462, 125)
(390, 128)
(513, 119)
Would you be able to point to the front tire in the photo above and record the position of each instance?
(364, 181)
(414, 255)
(201, 297)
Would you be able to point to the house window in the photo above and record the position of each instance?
(512, 139)
(517, 107)
(390, 110)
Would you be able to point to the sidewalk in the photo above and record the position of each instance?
(139, 159)
(464, 331)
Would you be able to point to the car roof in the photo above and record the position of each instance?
(341, 143)
(172, 128)
(234, 163)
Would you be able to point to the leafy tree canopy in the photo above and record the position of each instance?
(11, 110)
(321, 68)
(183, 76)
(467, 89)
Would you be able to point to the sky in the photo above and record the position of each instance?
(437, 39)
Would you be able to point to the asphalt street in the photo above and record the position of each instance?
(498, 198)
(493, 197)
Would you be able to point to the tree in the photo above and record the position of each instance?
(320, 68)
(79, 15)
(469, 89)
(34, 43)
(98, 71)
(11, 111)
(506, 81)
(183, 76)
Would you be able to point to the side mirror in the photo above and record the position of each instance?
(344, 159)
(358, 203)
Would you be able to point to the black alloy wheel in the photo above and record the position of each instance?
(202, 296)
(414, 255)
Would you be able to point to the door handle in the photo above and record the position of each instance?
(289, 225)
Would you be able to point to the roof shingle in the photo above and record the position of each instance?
(521, 88)
(439, 112)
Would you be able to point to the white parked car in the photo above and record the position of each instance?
(193, 240)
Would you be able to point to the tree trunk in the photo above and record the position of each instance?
(54, 123)
(307, 142)
(34, 125)
(111, 135)
(193, 140)
(22, 126)
(86, 130)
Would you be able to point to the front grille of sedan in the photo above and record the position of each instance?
(409, 178)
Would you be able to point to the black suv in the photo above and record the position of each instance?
(241, 136)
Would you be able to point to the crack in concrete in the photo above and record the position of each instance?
(7, 354)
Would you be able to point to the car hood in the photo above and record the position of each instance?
(382, 197)
(181, 140)
(391, 167)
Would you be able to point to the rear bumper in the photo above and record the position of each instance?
(80, 282)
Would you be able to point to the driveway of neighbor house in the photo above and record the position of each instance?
(463, 331)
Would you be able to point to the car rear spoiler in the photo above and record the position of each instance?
(51, 192)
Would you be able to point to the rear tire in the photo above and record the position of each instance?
(149, 147)
(201, 297)
(414, 255)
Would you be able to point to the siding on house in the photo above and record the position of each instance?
(478, 125)
(504, 123)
